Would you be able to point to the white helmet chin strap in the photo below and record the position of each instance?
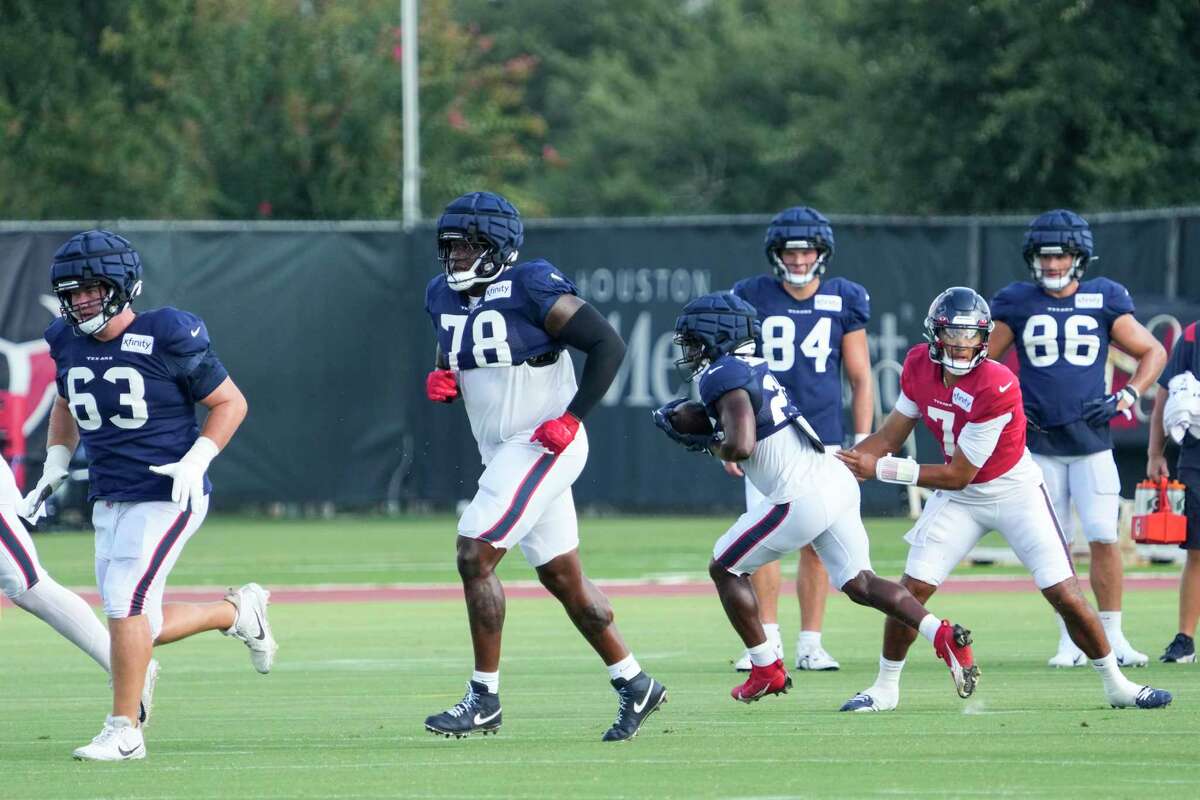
(793, 279)
(1054, 284)
(94, 325)
(955, 367)
(464, 279)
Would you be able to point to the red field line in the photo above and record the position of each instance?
(349, 593)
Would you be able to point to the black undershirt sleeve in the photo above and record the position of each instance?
(589, 331)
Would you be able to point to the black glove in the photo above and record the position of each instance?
(695, 442)
(1099, 411)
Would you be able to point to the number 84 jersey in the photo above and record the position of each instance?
(1061, 344)
(134, 398)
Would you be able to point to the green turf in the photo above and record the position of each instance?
(341, 715)
(421, 550)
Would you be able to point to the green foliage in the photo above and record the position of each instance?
(292, 108)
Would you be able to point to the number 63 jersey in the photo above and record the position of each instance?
(133, 398)
(512, 374)
(1062, 347)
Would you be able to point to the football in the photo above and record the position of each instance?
(691, 418)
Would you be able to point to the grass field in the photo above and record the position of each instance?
(341, 714)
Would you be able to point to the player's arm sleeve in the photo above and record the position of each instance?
(587, 330)
(977, 440)
(191, 356)
(857, 309)
(1181, 356)
(907, 407)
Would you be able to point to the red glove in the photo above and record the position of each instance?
(556, 434)
(441, 386)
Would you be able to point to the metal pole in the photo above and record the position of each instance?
(410, 110)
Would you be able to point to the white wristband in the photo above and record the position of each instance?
(891, 469)
(203, 451)
(58, 456)
(859, 437)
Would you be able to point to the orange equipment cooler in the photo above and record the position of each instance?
(1158, 513)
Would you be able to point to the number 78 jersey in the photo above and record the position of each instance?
(802, 343)
(134, 398)
(981, 413)
(1061, 343)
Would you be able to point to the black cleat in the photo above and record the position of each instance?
(477, 712)
(638, 698)
(1181, 650)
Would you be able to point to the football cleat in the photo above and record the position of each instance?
(743, 664)
(952, 644)
(1181, 650)
(118, 740)
(477, 712)
(870, 700)
(771, 679)
(1068, 655)
(1126, 655)
(815, 659)
(1146, 697)
(251, 625)
(638, 698)
(147, 704)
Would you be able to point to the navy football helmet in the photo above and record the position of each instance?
(958, 317)
(90, 258)
(711, 326)
(799, 227)
(491, 225)
(1058, 232)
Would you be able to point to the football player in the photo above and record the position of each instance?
(1181, 374)
(811, 329)
(973, 407)
(502, 328)
(128, 385)
(27, 584)
(747, 417)
(1061, 325)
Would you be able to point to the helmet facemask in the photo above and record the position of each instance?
(693, 358)
(92, 316)
(785, 275)
(1078, 262)
(485, 263)
(951, 338)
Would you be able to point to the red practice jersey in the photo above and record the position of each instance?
(988, 391)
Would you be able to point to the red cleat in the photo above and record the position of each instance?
(771, 679)
(952, 644)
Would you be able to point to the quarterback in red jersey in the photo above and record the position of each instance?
(988, 481)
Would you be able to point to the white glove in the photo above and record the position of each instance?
(188, 473)
(891, 469)
(54, 472)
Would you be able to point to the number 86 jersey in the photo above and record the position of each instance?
(134, 398)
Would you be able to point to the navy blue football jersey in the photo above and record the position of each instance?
(507, 326)
(773, 408)
(134, 398)
(1062, 348)
(802, 343)
(1185, 357)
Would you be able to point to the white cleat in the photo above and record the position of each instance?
(816, 659)
(1068, 655)
(872, 699)
(148, 693)
(118, 740)
(1126, 655)
(252, 626)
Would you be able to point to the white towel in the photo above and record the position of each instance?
(1181, 415)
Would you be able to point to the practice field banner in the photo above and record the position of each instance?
(323, 326)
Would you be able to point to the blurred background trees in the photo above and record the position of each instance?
(291, 108)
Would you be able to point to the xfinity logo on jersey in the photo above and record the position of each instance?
(962, 399)
(501, 290)
(827, 302)
(137, 343)
(1089, 300)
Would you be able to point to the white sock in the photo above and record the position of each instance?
(489, 679)
(808, 640)
(626, 668)
(771, 629)
(70, 615)
(763, 655)
(1116, 685)
(929, 627)
(1111, 620)
(889, 674)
